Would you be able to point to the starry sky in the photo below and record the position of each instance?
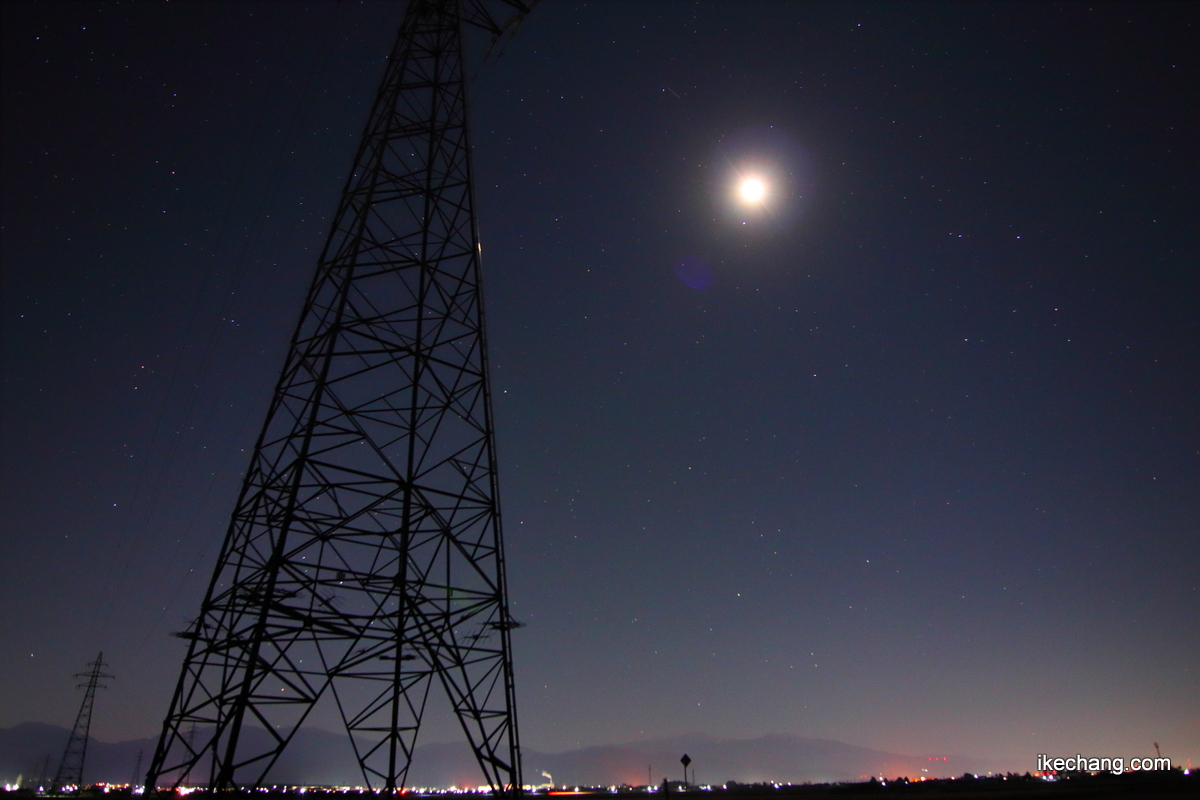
(907, 457)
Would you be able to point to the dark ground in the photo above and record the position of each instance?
(1076, 787)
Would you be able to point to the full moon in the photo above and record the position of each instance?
(752, 190)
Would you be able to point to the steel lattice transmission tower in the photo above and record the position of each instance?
(70, 769)
(364, 562)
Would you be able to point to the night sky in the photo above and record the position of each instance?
(908, 456)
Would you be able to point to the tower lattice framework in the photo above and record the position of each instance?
(70, 768)
(364, 563)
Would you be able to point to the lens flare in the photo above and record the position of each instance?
(695, 272)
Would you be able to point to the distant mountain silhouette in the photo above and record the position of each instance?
(317, 757)
(780, 758)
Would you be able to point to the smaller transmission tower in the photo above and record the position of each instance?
(70, 769)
